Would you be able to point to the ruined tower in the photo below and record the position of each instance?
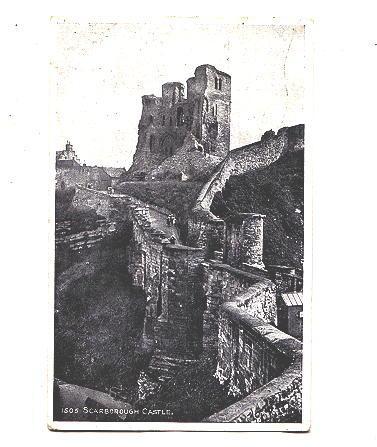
(199, 121)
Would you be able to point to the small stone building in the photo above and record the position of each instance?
(290, 313)
(69, 172)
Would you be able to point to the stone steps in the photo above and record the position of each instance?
(164, 368)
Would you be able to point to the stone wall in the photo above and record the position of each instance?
(77, 230)
(245, 359)
(178, 331)
(223, 283)
(258, 360)
(94, 176)
(169, 276)
(248, 158)
(206, 233)
(67, 237)
(104, 204)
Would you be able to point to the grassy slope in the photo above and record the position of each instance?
(176, 196)
(191, 163)
(98, 324)
(99, 316)
(80, 219)
(278, 192)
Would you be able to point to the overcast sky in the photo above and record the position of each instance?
(100, 71)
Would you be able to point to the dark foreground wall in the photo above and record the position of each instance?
(223, 283)
(255, 357)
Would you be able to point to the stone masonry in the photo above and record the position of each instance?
(201, 120)
(244, 240)
(260, 362)
(223, 283)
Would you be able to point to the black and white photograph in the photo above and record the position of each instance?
(179, 223)
(188, 231)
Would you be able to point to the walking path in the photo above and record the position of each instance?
(158, 217)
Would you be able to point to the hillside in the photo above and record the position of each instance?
(188, 161)
(278, 192)
(98, 322)
(177, 196)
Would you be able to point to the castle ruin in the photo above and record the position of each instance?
(174, 122)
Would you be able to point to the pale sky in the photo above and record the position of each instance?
(100, 71)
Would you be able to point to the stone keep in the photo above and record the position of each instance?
(166, 121)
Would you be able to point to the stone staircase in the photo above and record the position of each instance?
(163, 368)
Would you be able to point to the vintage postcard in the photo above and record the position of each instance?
(180, 288)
